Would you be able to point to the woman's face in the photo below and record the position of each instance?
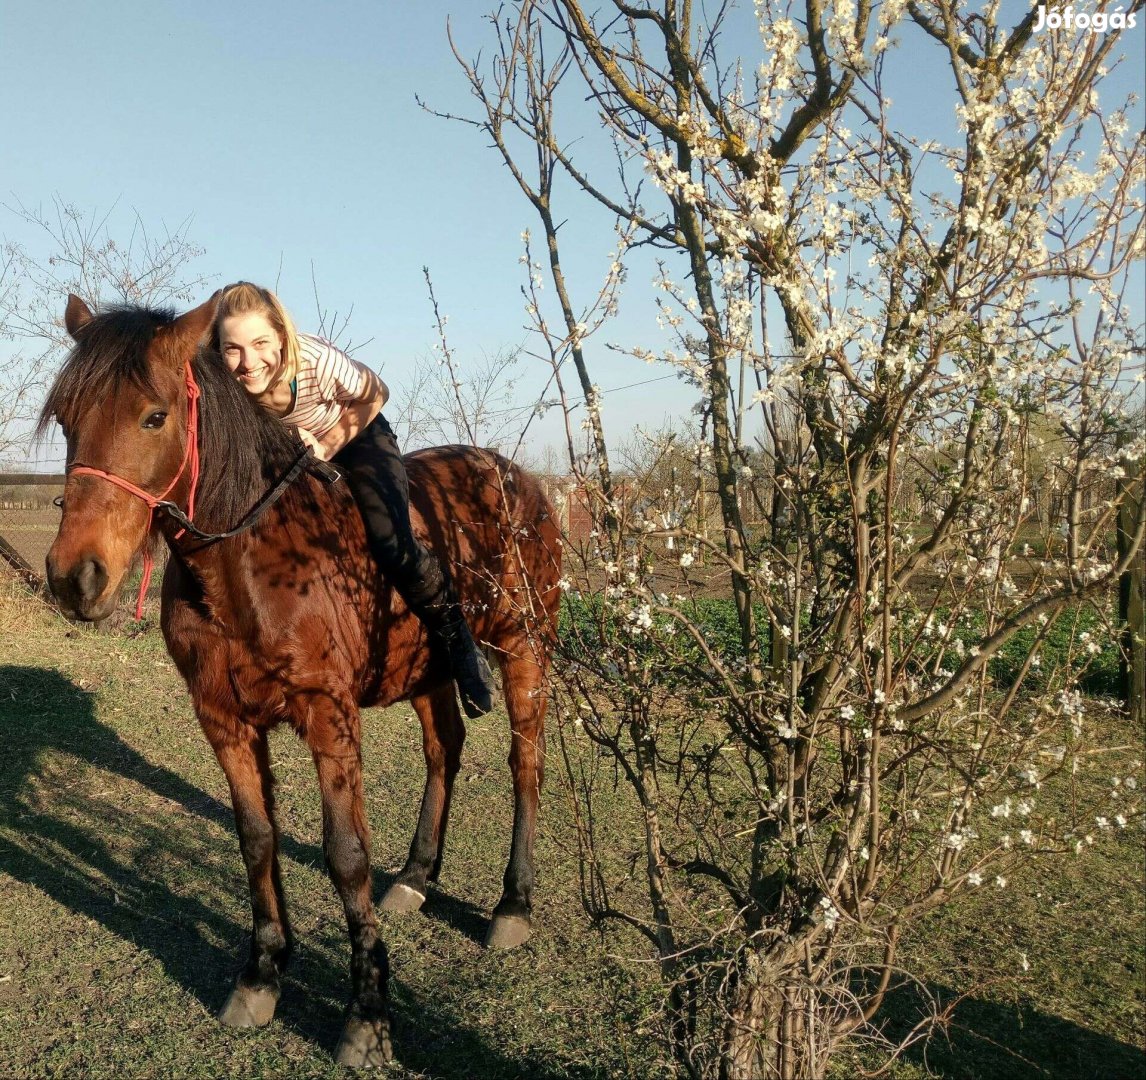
(252, 349)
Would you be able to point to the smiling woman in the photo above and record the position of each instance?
(335, 404)
(253, 350)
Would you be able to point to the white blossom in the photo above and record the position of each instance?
(831, 913)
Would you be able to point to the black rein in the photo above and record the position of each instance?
(305, 462)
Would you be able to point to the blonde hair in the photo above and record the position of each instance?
(244, 298)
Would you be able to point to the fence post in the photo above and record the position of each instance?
(9, 555)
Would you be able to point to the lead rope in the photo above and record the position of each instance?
(190, 457)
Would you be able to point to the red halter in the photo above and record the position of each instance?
(190, 456)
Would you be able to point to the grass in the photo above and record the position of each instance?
(124, 912)
(1077, 1012)
(717, 621)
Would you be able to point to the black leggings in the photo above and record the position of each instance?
(373, 468)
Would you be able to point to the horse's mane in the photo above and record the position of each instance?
(241, 446)
(110, 351)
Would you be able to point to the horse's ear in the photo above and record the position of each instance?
(194, 324)
(77, 315)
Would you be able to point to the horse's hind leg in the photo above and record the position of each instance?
(346, 844)
(242, 752)
(523, 683)
(443, 733)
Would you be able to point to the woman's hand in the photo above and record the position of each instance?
(357, 415)
(316, 447)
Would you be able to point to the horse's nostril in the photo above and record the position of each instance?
(90, 579)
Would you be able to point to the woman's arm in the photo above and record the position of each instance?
(357, 416)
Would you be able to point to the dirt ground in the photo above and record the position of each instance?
(30, 534)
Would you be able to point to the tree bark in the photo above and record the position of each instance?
(1131, 595)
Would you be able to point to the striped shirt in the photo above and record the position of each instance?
(327, 382)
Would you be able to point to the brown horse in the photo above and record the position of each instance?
(287, 620)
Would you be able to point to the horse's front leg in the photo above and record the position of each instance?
(242, 752)
(365, 1039)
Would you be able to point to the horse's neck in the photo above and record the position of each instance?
(297, 539)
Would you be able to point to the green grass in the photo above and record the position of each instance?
(1076, 1012)
(124, 912)
(717, 620)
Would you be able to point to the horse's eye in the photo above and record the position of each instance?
(155, 420)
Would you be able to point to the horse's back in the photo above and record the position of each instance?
(496, 528)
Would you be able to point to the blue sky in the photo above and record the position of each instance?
(288, 133)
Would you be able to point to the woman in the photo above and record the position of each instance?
(335, 403)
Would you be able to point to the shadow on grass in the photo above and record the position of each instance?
(179, 892)
(91, 854)
(460, 915)
(986, 1040)
(430, 1038)
(86, 852)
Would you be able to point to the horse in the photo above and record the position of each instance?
(284, 617)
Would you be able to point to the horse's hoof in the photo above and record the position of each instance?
(248, 1007)
(507, 932)
(401, 897)
(365, 1044)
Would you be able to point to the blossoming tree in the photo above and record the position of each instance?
(902, 344)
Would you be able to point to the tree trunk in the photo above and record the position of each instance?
(770, 1032)
(1131, 596)
(781, 523)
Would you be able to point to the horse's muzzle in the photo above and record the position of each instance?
(78, 591)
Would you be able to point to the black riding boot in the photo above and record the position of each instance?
(377, 477)
(449, 631)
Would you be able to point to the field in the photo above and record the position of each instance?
(124, 913)
(30, 532)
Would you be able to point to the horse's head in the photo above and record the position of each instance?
(122, 401)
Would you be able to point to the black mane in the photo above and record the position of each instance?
(242, 447)
(110, 351)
